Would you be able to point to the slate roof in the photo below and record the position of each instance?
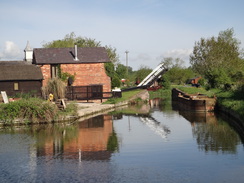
(19, 70)
(67, 55)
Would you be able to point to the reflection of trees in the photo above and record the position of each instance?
(215, 137)
(211, 133)
(113, 145)
(164, 105)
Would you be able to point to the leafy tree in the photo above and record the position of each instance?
(170, 62)
(178, 75)
(142, 72)
(218, 59)
(121, 71)
(165, 82)
(115, 81)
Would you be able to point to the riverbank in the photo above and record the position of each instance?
(37, 111)
(228, 102)
(87, 110)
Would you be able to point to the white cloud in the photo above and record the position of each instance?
(183, 54)
(11, 51)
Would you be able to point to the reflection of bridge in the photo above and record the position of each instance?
(156, 126)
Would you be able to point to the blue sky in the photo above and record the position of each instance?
(148, 29)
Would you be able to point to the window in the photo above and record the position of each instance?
(16, 86)
(54, 71)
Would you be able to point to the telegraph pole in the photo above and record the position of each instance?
(126, 52)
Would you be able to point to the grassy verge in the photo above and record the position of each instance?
(161, 93)
(33, 110)
(125, 96)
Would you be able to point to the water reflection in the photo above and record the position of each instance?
(211, 133)
(143, 111)
(102, 149)
(156, 126)
(91, 139)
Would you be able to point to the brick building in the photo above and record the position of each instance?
(87, 64)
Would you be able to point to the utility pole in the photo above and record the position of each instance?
(126, 52)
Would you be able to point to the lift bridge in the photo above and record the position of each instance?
(151, 78)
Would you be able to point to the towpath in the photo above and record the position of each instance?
(87, 110)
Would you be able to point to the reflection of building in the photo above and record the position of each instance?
(93, 135)
(90, 140)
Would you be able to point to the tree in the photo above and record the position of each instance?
(170, 62)
(121, 71)
(218, 59)
(178, 75)
(142, 72)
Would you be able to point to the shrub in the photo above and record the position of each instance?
(115, 82)
(31, 110)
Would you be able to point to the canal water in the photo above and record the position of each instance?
(149, 143)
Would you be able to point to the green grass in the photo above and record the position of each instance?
(160, 93)
(232, 101)
(125, 96)
(193, 90)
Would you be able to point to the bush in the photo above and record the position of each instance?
(115, 82)
(31, 110)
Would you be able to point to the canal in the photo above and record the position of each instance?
(157, 143)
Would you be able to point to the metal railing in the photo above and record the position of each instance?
(92, 92)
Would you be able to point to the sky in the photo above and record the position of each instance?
(149, 30)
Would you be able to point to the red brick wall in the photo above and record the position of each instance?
(46, 72)
(88, 74)
(85, 74)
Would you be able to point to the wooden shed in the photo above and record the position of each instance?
(20, 77)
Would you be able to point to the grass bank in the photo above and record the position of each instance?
(33, 110)
(127, 95)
